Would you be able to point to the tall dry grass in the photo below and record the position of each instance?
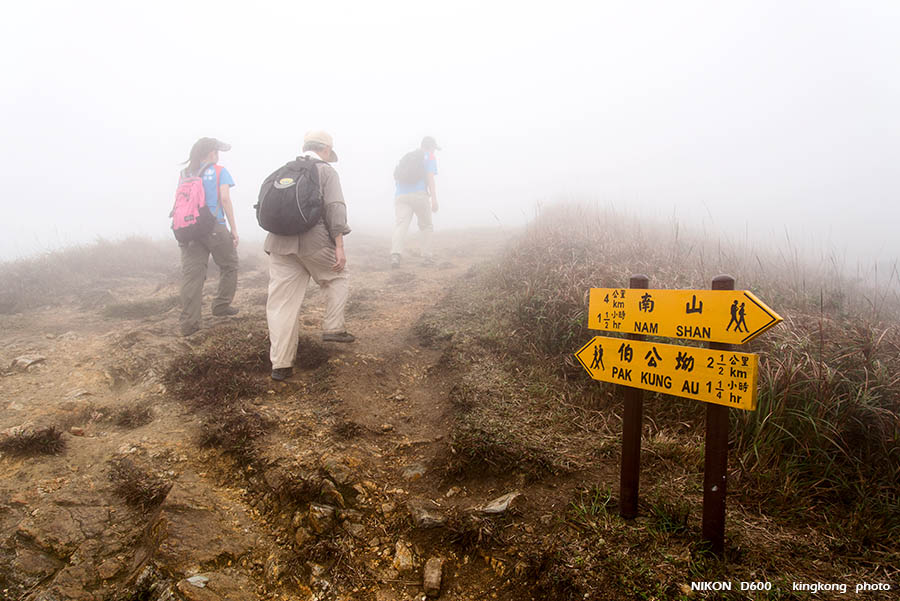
(826, 434)
(55, 277)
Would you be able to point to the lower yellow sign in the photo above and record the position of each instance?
(720, 377)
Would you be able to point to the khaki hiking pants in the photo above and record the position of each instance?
(194, 264)
(288, 277)
(405, 206)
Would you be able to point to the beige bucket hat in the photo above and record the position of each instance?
(322, 137)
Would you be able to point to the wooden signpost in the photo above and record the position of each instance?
(717, 375)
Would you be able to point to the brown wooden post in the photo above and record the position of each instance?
(715, 467)
(632, 425)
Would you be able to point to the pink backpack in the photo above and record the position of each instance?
(191, 218)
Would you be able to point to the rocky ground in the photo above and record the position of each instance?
(334, 492)
(429, 459)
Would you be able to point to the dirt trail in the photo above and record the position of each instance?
(371, 421)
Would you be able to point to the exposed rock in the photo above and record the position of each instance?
(198, 581)
(302, 536)
(200, 531)
(338, 471)
(431, 580)
(24, 362)
(297, 520)
(76, 431)
(355, 529)
(54, 530)
(275, 478)
(32, 566)
(275, 568)
(321, 518)
(500, 504)
(388, 508)
(109, 568)
(424, 517)
(403, 557)
(330, 492)
(218, 587)
(414, 472)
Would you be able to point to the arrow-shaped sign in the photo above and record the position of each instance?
(729, 316)
(712, 376)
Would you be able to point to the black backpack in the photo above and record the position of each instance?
(290, 200)
(411, 168)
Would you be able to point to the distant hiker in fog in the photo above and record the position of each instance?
(415, 194)
(202, 206)
(316, 252)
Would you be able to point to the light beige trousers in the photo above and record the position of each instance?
(405, 206)
(288, 278)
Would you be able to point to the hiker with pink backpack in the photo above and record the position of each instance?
(202, 206)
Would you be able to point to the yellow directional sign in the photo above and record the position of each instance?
(730, 316)
(712, 376)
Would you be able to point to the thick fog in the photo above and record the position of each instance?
(751, 119)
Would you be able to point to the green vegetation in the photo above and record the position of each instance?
(826, 433)
(814, 472)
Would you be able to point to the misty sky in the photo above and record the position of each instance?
(754, 119)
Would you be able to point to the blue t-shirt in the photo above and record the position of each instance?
(421, 185)
(212, 191)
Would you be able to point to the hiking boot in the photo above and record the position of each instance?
(338, 337)
(225, 311)
(187, 330)
(280, 374)
(395, 261)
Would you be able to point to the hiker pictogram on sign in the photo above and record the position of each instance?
(738, 318)
(598, 358)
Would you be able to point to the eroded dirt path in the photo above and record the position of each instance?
(370, 422)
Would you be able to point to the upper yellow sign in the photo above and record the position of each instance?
(729, 316)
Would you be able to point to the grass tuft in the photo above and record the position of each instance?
(235, 431)
(137, 487)
(30, 443)
(133, 417)
(229, 365)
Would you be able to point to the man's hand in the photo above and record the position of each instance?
(340, 259)
(434, 206)
(236, 238)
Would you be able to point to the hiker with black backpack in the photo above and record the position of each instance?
(415, 195)
(202, 205)
(302, 207)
